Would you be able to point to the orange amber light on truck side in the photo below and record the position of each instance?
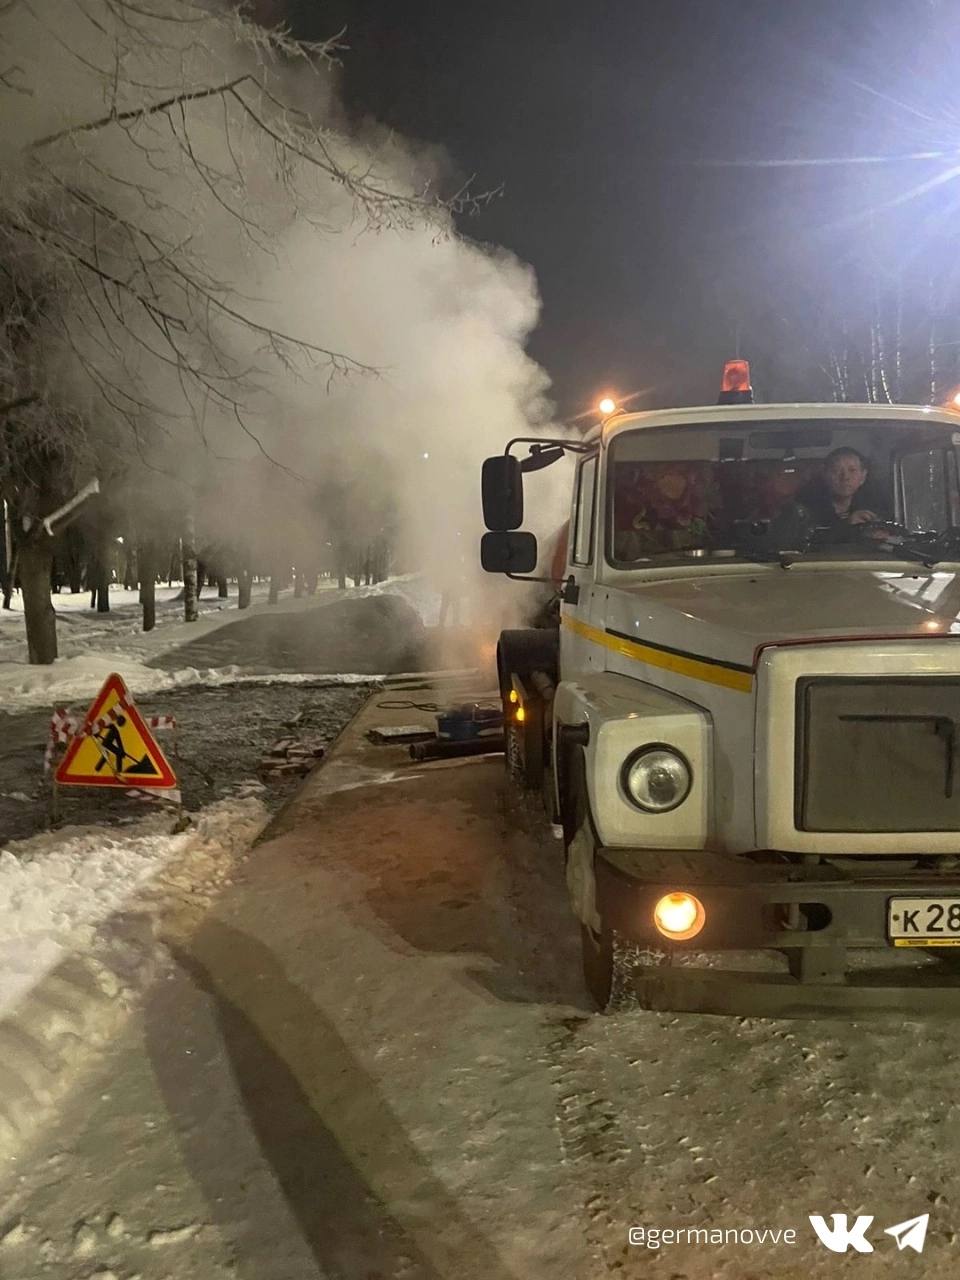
(679, 916)
(521, 715)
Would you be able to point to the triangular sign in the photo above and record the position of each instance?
(114, 748)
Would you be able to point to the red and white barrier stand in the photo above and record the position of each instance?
(113, 745)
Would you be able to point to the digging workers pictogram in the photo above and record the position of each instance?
(114, 747)
(112, 744)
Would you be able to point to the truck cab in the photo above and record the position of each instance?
(746, 720)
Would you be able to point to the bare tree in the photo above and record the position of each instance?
(180, 138)
(191, 583)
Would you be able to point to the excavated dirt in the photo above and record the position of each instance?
(222, 733)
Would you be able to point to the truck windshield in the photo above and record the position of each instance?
(760, 489)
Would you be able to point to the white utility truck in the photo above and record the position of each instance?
(747, 721)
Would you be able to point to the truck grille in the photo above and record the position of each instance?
(878, 754)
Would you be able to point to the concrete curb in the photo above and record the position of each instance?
(285, 815)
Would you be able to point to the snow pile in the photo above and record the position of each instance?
(80, 628)
(97, 644)
(80, 679)
(58, 888)
(418, 591)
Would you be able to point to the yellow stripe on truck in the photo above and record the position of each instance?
(695, 668)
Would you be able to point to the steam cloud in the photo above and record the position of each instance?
(441, 321)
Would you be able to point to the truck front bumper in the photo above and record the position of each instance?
(829, 923)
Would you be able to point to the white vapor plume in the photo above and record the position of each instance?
(234, 281)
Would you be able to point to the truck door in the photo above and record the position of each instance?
(580, 603)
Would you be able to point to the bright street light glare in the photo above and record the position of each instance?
(607, 406)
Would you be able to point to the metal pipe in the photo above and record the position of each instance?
(449, 750)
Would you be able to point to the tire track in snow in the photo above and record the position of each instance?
(591, 1139)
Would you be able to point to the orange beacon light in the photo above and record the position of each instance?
(735, 386)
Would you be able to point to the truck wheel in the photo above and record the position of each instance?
(512, 746)
(521, 653)
(598, 960)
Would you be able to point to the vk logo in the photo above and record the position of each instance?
(840, 1237)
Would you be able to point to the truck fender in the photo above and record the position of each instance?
(615, 715)
(581, 843)
(523, 652)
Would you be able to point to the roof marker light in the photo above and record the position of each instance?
(735, 387)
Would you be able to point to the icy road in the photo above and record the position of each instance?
(370, 1057)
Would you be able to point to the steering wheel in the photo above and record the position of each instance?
(882, 530)
(819, 535)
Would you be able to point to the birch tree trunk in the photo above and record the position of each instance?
(189, 556)
(932, 341)
(6, 554)
(882, 383)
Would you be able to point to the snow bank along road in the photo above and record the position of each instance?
(368, 1056)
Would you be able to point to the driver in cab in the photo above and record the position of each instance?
(837, 499)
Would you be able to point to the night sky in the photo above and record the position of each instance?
(602, 123)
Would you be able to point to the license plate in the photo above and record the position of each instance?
(924, 922)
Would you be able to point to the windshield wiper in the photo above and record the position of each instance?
(945, 545)
(859, 549)
(735, 550)
(901, 551)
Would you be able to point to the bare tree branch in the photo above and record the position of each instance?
(139, 113)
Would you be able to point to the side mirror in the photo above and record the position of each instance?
(504, 552)
(502, 487)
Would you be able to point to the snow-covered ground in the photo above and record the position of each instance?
(373, 1057)
(93, 645)
(57, 888)
(369, 1053)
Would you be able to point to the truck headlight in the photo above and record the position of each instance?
(656, 778)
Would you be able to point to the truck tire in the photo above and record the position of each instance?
(598, 962)
(512, 748)
(521, 653)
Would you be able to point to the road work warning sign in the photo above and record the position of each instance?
(114, 747)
